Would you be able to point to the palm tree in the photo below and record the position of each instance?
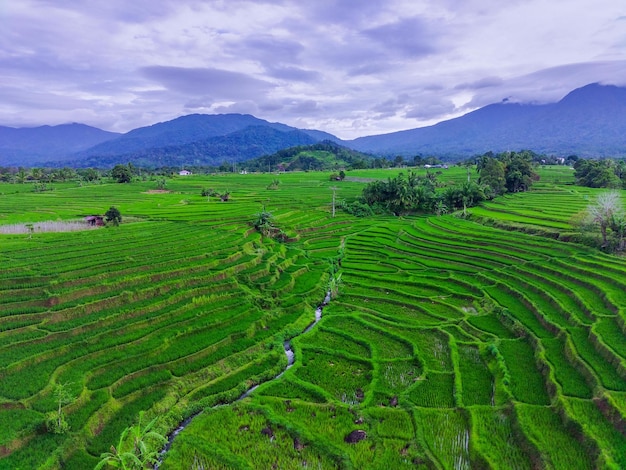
(20, 176)
(138, 448)
(36, 173)
(470, 193)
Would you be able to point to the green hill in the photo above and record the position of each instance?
(325, 155)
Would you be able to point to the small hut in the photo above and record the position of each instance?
(95, 220)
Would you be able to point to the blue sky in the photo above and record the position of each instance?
(350, 67)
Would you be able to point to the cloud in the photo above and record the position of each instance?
(427, 111)
(550, 84)
(207, 81)
(267, 49)
(367, 69)
(241, 107)
(294, 74)
(346, 67)
(485, 82)
(411, 37)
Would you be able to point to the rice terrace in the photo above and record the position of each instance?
(483, 337)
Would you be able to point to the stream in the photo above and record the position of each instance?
(290, 361)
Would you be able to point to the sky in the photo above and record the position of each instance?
(348, 67)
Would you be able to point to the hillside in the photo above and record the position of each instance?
(448, 344)
(196, 139)
(589, 121)
(326, 155)
(240, 145)
(23, 146)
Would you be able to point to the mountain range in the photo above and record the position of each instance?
(589, 122)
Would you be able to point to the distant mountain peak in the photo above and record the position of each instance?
(588, 121)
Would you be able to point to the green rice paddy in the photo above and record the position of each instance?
(488, 342)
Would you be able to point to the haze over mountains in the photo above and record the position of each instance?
(589, 121)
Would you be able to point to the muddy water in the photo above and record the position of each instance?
(290, 361)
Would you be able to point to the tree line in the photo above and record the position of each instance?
(606, 173)
(507, 172)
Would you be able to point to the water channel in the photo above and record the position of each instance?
(290, 361)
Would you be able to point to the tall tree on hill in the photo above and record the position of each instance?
(506, 172)
(492, 177)
(519, 172)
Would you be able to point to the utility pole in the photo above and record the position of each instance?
(334, 188)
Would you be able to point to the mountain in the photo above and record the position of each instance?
(589, 121)
(21, 146)
(180, 131)
(241, 145)
(197, 139)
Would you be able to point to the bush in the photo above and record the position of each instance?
(113, 216)
(358, 209)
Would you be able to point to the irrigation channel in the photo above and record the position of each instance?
(290, 361)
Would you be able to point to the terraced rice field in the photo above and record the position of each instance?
(452, 344)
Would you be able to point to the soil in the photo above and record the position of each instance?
(355, 436)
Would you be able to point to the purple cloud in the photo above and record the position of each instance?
(344, 67)
(410, 37)
(207, 81)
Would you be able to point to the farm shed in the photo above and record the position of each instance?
(97, 220)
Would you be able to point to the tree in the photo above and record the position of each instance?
(598, 173)
(519, 173)
(492, 177)
(138, 448)
(608, 215)
(161, 183)
(36, 173)
(402, 194)
(21, 175)
(264, 222)
(90, 174)
(470, 194)
(55, 420)
(122, 174)
(113, 216)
